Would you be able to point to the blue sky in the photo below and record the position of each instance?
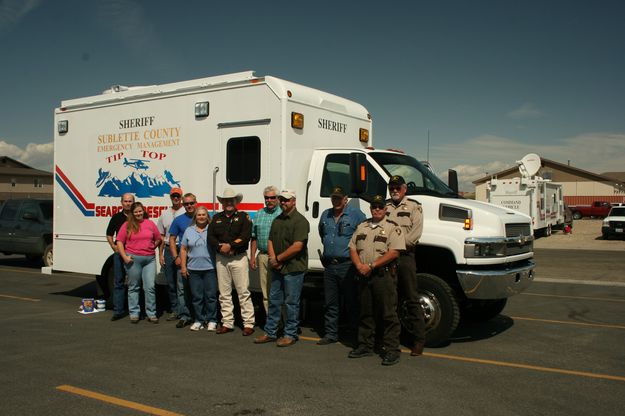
(491, 80)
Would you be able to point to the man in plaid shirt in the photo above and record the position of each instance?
(260, 234)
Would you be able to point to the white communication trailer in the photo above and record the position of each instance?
(532, 195)
(248, 132)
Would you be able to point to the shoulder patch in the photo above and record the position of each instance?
(414, 200)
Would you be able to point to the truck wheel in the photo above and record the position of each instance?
(483, 310)
(577, 215)
(440, 309)
(47, 256)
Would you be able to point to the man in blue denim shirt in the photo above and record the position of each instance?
(336, 226)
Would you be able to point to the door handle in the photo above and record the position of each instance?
(315, 209)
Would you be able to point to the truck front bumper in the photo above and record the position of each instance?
(496, 284)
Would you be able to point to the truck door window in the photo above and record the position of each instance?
(30, 207)
(9, 211)
(46, 209)
(336, 173)
(243, 160)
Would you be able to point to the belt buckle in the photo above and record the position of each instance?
(334, 261)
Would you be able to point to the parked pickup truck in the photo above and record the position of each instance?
(597, 209)
(26, 228)
(614, 224)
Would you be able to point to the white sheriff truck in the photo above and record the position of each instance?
(248, 132)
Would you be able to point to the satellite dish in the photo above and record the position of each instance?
(529, 165)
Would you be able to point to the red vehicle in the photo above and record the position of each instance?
(597, 209)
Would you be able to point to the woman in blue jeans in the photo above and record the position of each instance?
(198, 265)
(137, 241)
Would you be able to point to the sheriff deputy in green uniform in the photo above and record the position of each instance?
(409, 215)
(374, 249)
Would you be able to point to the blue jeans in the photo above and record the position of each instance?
(203, 285)
(142, 269)
(170, 276)
(119, 286)
(338, 281)
(286, 289)
(184, 296)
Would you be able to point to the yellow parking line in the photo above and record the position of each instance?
(573, 297)
(521, 318)
(114, 400)
(508, 364)
(20, 298)
(523, 366)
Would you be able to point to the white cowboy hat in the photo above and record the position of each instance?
(230, 193)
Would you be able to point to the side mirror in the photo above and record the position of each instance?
(452, 180)
(358, 172)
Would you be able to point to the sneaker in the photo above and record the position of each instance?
(212, 326)
(326, 341)
(153, 319)
(172, 316)
(196, 326)
(361, 351)
(134, 319)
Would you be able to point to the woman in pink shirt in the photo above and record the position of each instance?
(137, 241)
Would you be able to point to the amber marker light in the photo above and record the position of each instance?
(297, 120)
(363, 135)
(468, 224)
(363, 173)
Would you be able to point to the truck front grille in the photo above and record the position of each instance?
(515, 230)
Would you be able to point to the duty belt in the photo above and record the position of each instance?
(338, 260)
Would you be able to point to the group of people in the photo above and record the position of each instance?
(368, 263)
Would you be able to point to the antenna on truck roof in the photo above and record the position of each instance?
(529, 165)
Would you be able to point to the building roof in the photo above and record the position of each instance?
(560, 166)
(620, 176)
(12, 167)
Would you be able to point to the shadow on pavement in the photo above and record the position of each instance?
(469, 331)
(88, 290)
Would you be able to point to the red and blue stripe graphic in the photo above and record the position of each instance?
(87, 208)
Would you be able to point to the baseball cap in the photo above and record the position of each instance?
(338, 191)
(377, 201)
(287, 194)
(396, 180)
(175, 191)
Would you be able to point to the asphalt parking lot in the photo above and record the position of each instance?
(556, 349)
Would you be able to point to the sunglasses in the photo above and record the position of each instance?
(270, 197)
(188, 204)
(175, 195)
(394, 188)
(377, 206)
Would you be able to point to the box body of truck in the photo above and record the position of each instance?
(249, 132)
(538, 198)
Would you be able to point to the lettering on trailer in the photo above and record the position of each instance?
(512, 204)
(332, 125)
(136, 122)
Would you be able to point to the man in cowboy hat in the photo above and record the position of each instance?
(229, 234)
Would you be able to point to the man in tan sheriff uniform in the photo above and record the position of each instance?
(374, 249)
(409, 215)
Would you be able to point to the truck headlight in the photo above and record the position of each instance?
(485, 250)
(606, 222)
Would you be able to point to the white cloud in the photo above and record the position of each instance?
(13, 11)
(526, 111)
(474, 158)
(39, 156)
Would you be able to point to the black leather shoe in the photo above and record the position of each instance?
(117, 317)
(326, 341)
(361, 351)
(182, 323)
(390, 358)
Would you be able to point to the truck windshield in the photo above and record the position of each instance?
(617, 212)
(419, 179)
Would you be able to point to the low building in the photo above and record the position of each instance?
(578, 186)
(18, 180)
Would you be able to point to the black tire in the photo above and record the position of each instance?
(440, 309)
(47, 258)
(577, 215)
(483, 310)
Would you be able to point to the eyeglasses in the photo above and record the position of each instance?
(270, 197)
(188, 204)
